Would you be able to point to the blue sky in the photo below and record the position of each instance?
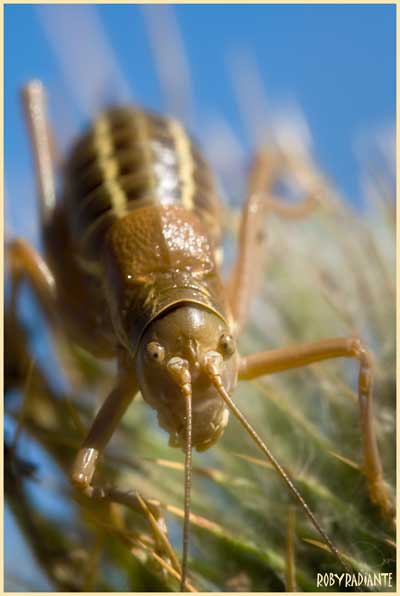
(336, 62)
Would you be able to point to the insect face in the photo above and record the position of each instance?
(180, 341)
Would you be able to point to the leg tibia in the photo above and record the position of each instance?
(264, 363)
(102, 429)
(268, 167)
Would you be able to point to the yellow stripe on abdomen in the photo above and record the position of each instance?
(185, 160)
(102, 134)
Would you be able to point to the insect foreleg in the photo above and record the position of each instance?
(267, 168)
(84, 467)
(102, 430)
(264, 363)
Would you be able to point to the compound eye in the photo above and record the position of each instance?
(156, 351)
(227, 344)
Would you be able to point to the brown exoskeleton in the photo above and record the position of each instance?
(131, 273)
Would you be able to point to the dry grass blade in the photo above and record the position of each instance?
(346, 460)
(160, 535)
(197, 520)
(290, 574)
(172, 572)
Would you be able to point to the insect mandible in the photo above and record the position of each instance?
(131, 272)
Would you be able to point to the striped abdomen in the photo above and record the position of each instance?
(130, 158)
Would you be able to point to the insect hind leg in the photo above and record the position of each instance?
(43, 146)
(279, 360)
(267, 168)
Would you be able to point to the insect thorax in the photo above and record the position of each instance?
(156, 258)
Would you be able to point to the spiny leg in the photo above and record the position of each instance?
(267, 168)
(264, 363)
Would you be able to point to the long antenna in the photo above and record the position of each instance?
(213, 369)
(178, 368)
(188, 487)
